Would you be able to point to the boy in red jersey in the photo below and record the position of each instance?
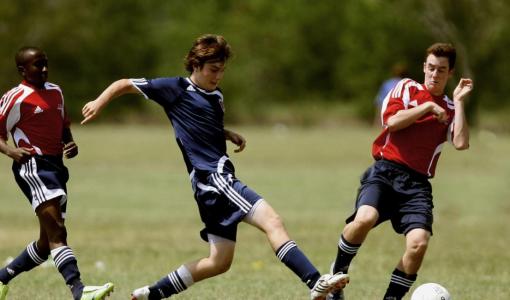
(417, 120)
(34, 114)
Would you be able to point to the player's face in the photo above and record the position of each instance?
(35, 69)
(437, 72)
(209, 76)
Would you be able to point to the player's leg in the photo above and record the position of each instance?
(353, 235)
(33, 255)
(406, 271)
(264, 217)
(219, 261)
(52, 223)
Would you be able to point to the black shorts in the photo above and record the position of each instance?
(42, 178)
(399, 194)
(223, 201)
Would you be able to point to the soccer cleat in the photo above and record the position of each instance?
(141, 293)
(328, 283)
(338, 294)
(97, 292)
(3, 291)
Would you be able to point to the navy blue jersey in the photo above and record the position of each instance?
(197, 118)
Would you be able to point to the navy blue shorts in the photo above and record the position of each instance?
(223, 201)
(42, 178)
(399, 194)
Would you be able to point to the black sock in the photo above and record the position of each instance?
(295, 260)
(169, 285)
(400, 284)
(345, 254)
(30, 258)
(67, 265)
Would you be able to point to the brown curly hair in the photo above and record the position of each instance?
(443, 50)
(207, 48)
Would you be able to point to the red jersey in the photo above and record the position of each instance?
(419, 145)
(35, 118)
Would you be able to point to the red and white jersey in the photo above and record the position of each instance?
(419, 145)
(34, 117)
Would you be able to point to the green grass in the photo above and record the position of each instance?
(131, 207)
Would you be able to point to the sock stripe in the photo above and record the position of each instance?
(401, 280)
(32, 252)
(176, 282)
(347, 247)
(284, 249)
(62, 255)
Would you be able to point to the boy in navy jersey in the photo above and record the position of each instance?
(417, 120)
(195, 108)
(34, 114)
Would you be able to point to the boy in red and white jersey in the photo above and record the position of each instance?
(417, 119)
(34, 114)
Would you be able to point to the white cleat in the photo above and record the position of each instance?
(328, 283)
(141, 293)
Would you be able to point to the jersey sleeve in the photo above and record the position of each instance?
(395, 100)
(162, 90)
(6, 103)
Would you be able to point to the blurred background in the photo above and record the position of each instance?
(296, 61)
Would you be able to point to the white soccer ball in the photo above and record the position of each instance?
(430, 291)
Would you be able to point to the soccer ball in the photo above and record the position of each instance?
(430, 291)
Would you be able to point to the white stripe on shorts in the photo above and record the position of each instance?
(40, 193)
(231, 194)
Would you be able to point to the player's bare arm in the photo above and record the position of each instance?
(20, 155)
(237, 139)
(460, 130)
(406, 117)
(116, 89)
(70, 147)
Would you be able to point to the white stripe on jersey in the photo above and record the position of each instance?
(19, 135)
(436, 153)
(7, 98)
(139, 81)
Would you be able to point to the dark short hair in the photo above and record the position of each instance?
(20, 56)
(443, 50)
(207, 48)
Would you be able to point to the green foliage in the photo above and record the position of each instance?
(287, 52)
(136, 214)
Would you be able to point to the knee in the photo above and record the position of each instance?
(220, 265)
(417, 248)
(274, 223)
(364, 223)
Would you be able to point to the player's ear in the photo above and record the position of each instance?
(21, 70)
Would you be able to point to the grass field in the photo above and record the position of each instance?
(132, 218)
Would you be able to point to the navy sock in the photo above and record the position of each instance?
(30, 258)
(169, 285)
(295, 260)
(400, 284)
(67, 265)
(345, 254)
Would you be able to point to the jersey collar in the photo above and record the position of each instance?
(193, 87)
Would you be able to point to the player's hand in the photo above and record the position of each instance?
(464, 87)
(70, 150)
(237, 139)
(90, 111)
(439, 112)
(21, 155)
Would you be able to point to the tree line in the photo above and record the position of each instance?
(286, 52)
